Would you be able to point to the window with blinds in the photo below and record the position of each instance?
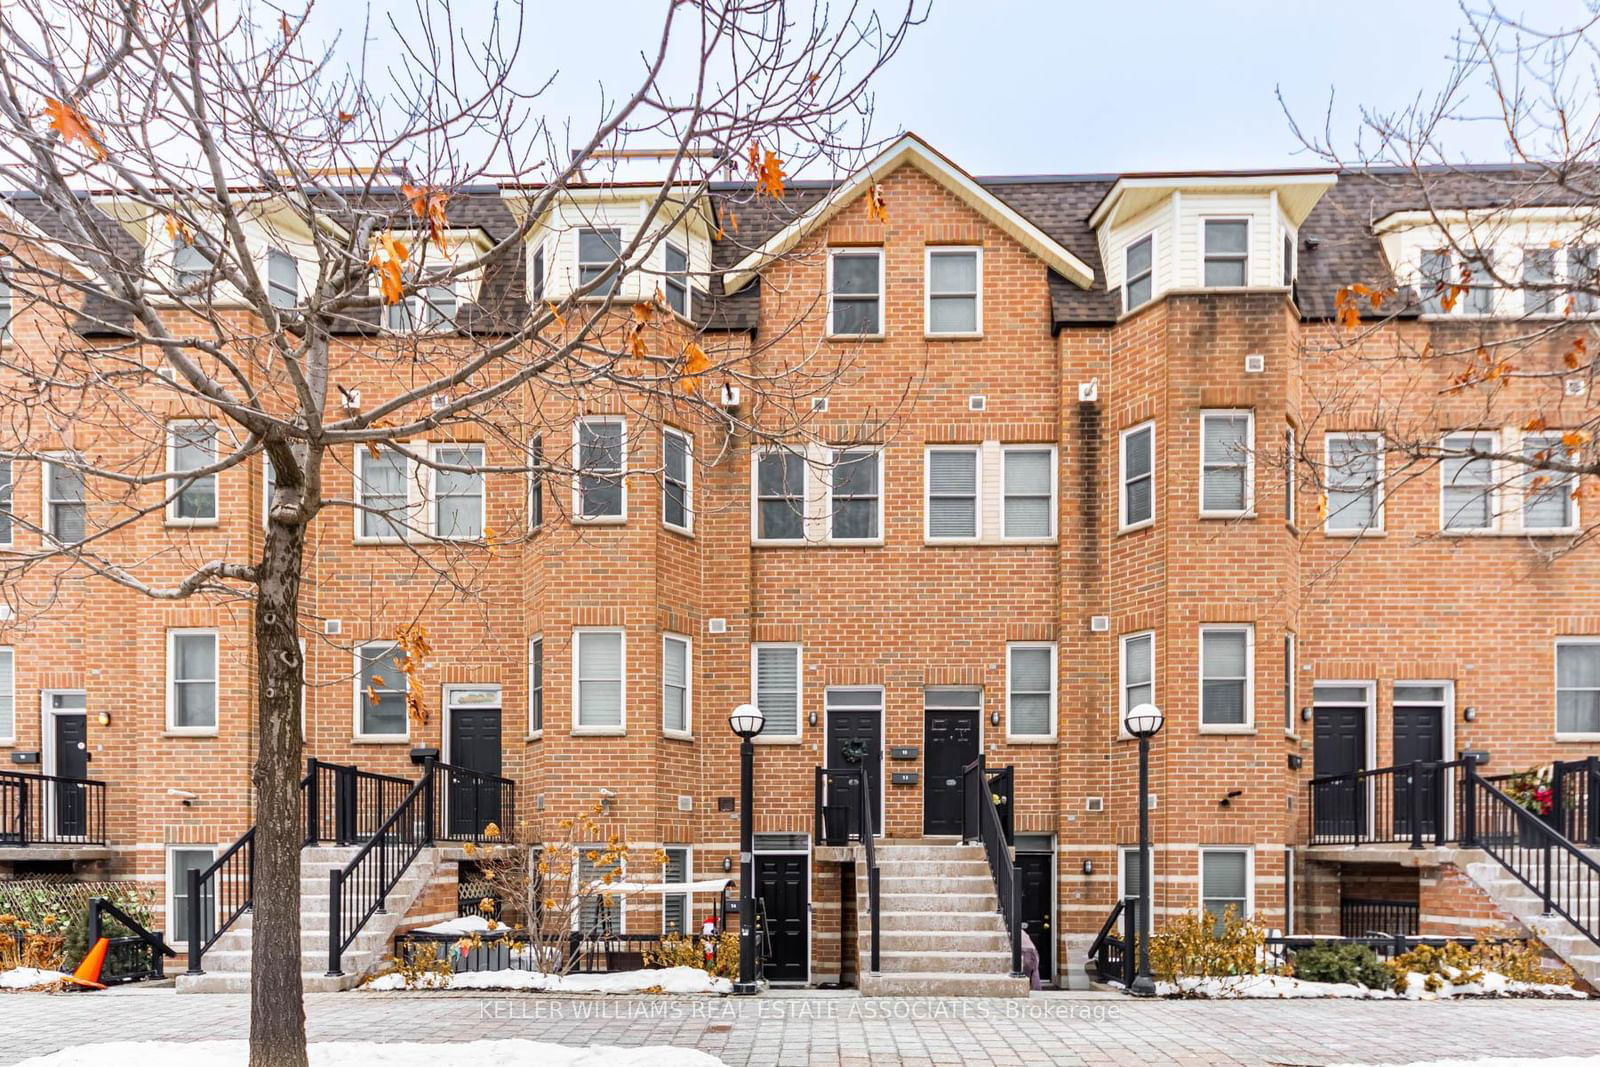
(1547, 502)
(1137, 499)
(1138, 671)
(777, 688)
(536, 685)
(1355, 482)
(675, 684)
(1225, 883)
(458, 500)
(1225, 676)
(1467, 500)
(383, 493)
(597, 672)
(1578, 686)
(599, 913)
(1225, 464)
(8, 694)
(1031, 690)
(952, 494)
(1029, 483)
(675, 906)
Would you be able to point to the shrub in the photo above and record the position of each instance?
(1519, 960)
(675, 950)
(1344, 962)
(1199, 946)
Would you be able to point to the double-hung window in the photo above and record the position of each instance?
(855, 496)
(192, 264)
(1289, 658)
(283, 279)
(1479, 299)
(677, 481)
(600, 492)
(952, 484)
(675, 280)
(1539, 281)
(536, 275)
(1437, 279)
(600, 912)
(677, 671)
(780, 495)
(1138, 672)
(535, 686)
(1138, 272)
(192, 681)
(675, 910)
(598, 672)
(65, 511)
(1291, 469)
(5, 501)
(855, 292)
(458, 499)
(1355, 482)
(1226, 462)
(1583, 278)
(536, 483)
(383, 490)
(1136, 502)
(1028, 485)
(1468, 486)
(1547, 504)
(1288, 261)
(1031, 691)
(1578, 686)
(1226, 670)
(191, 446)
(775, 689)
(180, 861)
(598, 252)
(1227, 252)
(381, 687)
(955, 291)
(7, 309)
(1225, 883)
(8, 695)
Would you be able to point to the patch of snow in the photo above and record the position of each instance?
(365, 1053)
(29, 978)
(1279, 987)
(465, 926)
(666, 979)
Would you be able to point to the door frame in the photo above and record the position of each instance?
(1056, 953)
(1447, 736)
(810, 900)
(47, 744)
(978, 710)
(1369, 726)
(883, 724)
(444, 704)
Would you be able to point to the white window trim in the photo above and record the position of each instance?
(168, 878)
(10, 467)
(266, 273)
(616, 280)
(577, 473)
(1153, 239)
(1249, 724)
(408, 522)
(833, 460)
(1249, 875)
(1055, 494)
(882, 296)
(536, 480)
(807, 475)
(764, 737)
(51, 460)
(535, 734)
(174, 479)
(687, 314)
(927, 291)
(1523, 474)
(976, 452)
(1291, 479)
(618, 904)
(418, 306)
(172, 729)
(687, 733)
(1122, 869)
(622, 684)
(690, 928)
(1497, 516)
(1249, 509)
(1122, 678)
(1249, 238)
(1055, 686)
(433, 489)
(10, 738)
(1123, 525)
(1291, 652)
(1555, 691)
(688, 480)
(1376, 527)
(361, 695)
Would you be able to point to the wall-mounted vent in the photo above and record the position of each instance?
(782, 842)
(685, 803)
(977, 402)
(716, 626)
(1099, 624)
(538, 802)
(819, 404)
(1094, 803)
(730, 397)
(439, 401)
(1255, 363)
(1089, 391)
(1575, 387)
(1151, 801)
(332, 626)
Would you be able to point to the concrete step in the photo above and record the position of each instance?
(950, 962)
(933, 921)
(970, 902)
(936, 883)
(942, 984)
(926, 942)
(898, 853)
(898, 868)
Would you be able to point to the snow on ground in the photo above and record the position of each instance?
(365, 1053)
(465, 926)
(666, 979)
(29, 978)
(1278, 987)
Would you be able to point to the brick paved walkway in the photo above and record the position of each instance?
(812, 1028)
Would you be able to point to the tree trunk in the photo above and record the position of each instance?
(277, 1008)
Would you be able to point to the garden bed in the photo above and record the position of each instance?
(653, 980)
(1281, 987)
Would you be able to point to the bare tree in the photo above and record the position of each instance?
(159, 155)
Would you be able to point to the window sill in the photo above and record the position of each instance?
(1137, 526)
(599, 731)
(602, 520)
(795, 740)
(681, 531)
(380, 541)
(929, 335)
(1227, 516)
(677, 735)
(1027, 540)
(1569, 739)
(1354, 534)
(536, 735)
(381, 739)
(1228, 728)
(1029, 739)
(852, 337)
(178, 731)
(1564, 532)
(191, 524)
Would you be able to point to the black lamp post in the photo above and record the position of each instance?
(747, 722)
(1144, 722)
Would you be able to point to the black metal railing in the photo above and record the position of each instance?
(218, 895)
(345, 804)
(1575, 800)
(43, 809)
(868, 807)
(1407, 804)
(1362, 918)
(360, 889)
(472, 805)
(843, 810)
(1110, 952)
(133, 957)
(989, 829)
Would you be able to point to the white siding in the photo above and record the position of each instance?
(558, 235)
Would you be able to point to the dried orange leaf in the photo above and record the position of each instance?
(69, 122)
(877, 211)
(429, 205)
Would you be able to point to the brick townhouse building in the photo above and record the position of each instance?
(1113, 454)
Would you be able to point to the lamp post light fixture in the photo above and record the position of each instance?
(1144, 722)
(746, 721)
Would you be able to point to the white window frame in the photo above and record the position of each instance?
(1055, 494)
(1151, 273)
(1483, 441)
(407, 521)
(421, 313)
(47, 482)
(9, 737)
(928, 294)
(1249, 876)
(1549, 440)
(266, 277)
(806, 477)
(765, 736)
(8, 306)
(578, 727)
(1249, 724)
(689, 928)
(168, 878)
(1555, 681)
(976, 452)
(1291, 471)
(1230, 257)
(856, 250)
(536, 482)
(172, 728)
(1291, 245)
(1123, 852)
(1248, 462)
(361, 695)
(687, 733)
(536, 642)
(1376, 527)
(833, 460)
(1055, 694)
(615, 281)
(687, 528)
(8, 496)
(175, 480)
(668, 279)
(1291, 688)
(433, 489)
(1122, 678)
(1123, 525)
(578, 470)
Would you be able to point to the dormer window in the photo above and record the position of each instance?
(192, 264)
(598, 250)
(675, 284)
(431, 308)
(1538, 280)
(1584, 277)
(1288, 261)
(283, 279)
(1138, 272)
(1227, 252)
(537, 270)
(1435, 280)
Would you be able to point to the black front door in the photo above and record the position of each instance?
(474, 746)
(72, 761)
(783, 901)
(951, 741)
(1418, 736)
(1037, 870)
(855, 739)
(1339, 746)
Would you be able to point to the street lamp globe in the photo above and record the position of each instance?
(747, 721)
(1143, 720)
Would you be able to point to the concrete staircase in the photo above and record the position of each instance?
(227, 963)
(1563, 939)
(942, 933)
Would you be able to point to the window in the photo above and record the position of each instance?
(536, 483)
(1583, 278)
(1138, 672)
(192, 264)
(1227, 252)
(600, 491)
(1029, 487)
(458, 495)
(6, 308)
(677, 502)
(1288, 682)
(8, 694)
(381, 688)
(1226, 463)
(854, 500)
(599, 912)
(1355, 482)
(5, 501)
(676, 282)
(1137, 499)
(192, 446)
(597, 689)
(431, 308)
(1030, 691)
(1138, 272)
(1547, 502)
(1436, 280)
(952, 485)
(1225, 882)
(383, 493)
(536, 275)
(1467, 482)
(65, 513)
(955, 291)
(1538, 280)
(1290, 470)
(855, 287)
(535, 686)
(269, 482)
(283, 279)
(1480, 286)
(180, 861)
(598, 253)
(1578, 686)
(1130, 874)
(775, 678)
(1225, 673)
(780, 496)
(675, 907)
(192, 681)
(677, 668)
(1288, 261)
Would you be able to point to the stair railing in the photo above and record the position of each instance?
(1575, 800)
(218, 895)
(1110, 953)
(361, 888)
(149, 948)
(469, 802)
(864, 827)
(345, 804)
(981, 820)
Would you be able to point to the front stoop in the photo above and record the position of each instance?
(227, 963)
(941, 932)
(1566, 941)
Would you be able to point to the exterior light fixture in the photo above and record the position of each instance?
(1143, 721)
(1470, 714)
(1305, 714)
(1088, 866)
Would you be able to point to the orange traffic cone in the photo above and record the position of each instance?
(88, 973)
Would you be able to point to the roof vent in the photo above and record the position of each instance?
(717, 626)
